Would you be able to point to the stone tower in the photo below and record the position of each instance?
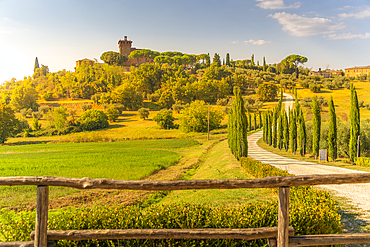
(125, 46)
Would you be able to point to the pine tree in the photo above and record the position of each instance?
(281, 130)
(293, 130)
(332, 135)
(355, 124)
(237, 127)
(316, 122)
(285, 130)
(302, 138)
(227, 59)
(36, 64)
(264, 64)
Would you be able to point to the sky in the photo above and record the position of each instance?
(332, 34)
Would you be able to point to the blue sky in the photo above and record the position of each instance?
(330, 33)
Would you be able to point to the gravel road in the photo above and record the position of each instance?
(357, 194)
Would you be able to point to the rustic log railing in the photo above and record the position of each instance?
(281, 236)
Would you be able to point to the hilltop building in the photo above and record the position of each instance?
(326, 73)
(125, 48)
(357, 71)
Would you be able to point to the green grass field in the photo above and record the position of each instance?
(115, 160)
(219, 164)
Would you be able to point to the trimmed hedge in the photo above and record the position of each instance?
(311, 211)
(18, 226)
(362, 161)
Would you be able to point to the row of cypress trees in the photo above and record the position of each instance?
(290, 133)
(285, 132)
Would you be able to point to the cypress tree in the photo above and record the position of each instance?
(316, 123)
(275, 119)
(285, 130)
(249, 121)
(36, 65)
(208, 61)
(355, 124)
(238, 126)
(255, 120)
(260, 118)
(302, 138)
(270, 115)
(227, 59)
(264, 128)
(264, 64)
(293, 130)
(281, 130)
(332, 135)
(252, 62)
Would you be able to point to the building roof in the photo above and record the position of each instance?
(360, 67)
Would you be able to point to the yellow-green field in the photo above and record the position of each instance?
(341, 99)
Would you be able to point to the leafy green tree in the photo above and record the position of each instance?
(113, 58)
(127, 96)
(355, 124)
(332, 135)
(24, 97)
(59, 117)
(195, 117)
(143, 113)
(165, 119)
(237, 127)
(316, 122)
(267, 92)
(93, 119)
(216, 60)
(8, 122)
(35, 124)
(112, 113)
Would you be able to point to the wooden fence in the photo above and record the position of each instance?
(281, 236)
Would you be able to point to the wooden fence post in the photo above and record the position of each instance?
(41, 216)
(283, 217)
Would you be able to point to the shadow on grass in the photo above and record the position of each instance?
(24, 143)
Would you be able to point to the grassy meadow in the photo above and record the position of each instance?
(342, 100)
(129, 160)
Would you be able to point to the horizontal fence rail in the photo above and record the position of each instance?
(268, 182)
(208, 233)
(281, 236)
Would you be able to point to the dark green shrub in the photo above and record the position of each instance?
(112, 113)
(165, 119)
(143, 113)
(362, 161)
(93, 119)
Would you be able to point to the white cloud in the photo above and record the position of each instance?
(305, 26)
(348, 36)
(6, 19)
(276, 4)
(234, 42)
(361, 13)
(257, 42)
